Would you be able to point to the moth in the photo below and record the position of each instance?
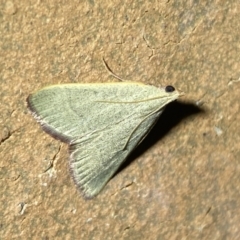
(101, 122)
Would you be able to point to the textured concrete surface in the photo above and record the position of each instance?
(183, 182)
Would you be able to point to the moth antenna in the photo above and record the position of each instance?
(112, 73)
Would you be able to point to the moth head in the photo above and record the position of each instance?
(169, 88)
(169, 92)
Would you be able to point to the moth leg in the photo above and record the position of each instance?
(138, 127)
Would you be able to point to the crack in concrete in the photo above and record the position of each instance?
(52, 161)
(8, 135)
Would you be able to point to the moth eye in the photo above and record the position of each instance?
(169, 89)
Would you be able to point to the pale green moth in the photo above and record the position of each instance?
(102, 123)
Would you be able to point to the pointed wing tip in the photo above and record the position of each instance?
(86, 190)
(30, 105)
(81, 188)
(46, 128)
(33, 110)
